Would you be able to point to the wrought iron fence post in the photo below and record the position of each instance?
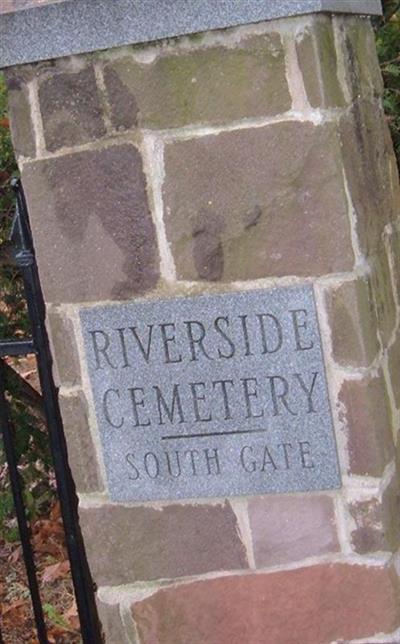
(83, 585)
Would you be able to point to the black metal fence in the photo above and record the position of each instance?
(83, 586)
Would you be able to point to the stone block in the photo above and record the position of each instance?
(93, 232)
(353, 323)
(321, 603)
(361, 71)
(382, 290)
(290, 528)
(394, 252)
(377, 521)
(394, 369)
(248, 204)
(370, 441)
(22, 130)
(71, 109)
(203, 85)
(113, 628)
(81, 451)
(316, 53)
(174, 541)
(66, 367)
(367, 159)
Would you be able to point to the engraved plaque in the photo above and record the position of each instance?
(215, 395)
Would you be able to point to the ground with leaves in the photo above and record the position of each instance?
(16, 614)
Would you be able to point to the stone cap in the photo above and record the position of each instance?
(33, 30)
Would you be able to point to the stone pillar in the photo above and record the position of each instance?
(250, 157)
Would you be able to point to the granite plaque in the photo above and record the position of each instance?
(215, 395)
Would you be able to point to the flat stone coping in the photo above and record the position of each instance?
(70, 27)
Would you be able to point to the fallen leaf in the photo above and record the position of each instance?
(56, 571)
(15, 555)
(71, 615)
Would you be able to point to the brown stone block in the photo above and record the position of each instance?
(382, 290)
(81, 452)
(67, 371)
(113, 629)
(362, 72)
(205, 85)
(322, 603)
(175, 541)
(367, 159)
(93, 232)
(394, 250)
(353, 323)
(377, 521)
(316, 54)
(394, 369)
(290, 528)
(367, 413)
(19, 108)
(71, 109)
(253, 203)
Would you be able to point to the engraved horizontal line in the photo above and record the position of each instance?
(236, 431)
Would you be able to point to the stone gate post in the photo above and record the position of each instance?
(215, 209)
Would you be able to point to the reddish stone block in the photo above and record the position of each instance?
(175, 541)
(362, 72)
(367, 160)
(201, 85)
(353, 323)
(93, 231)
(19, 108)
(316, 53)
(71, 109)
(382, 289)
(289, 528)
(310, 605)
(370, 440)
(247, 204)
(110, 618)
(377, 521)
(66, 366)
(81, 452)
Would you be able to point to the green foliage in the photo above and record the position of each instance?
(13, 318)
(388, 44)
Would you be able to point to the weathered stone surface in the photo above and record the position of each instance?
(249, 204)
(71, 109)
(66, 369)
(174, 541)
(394, 250)
(370, 441)
(322, 603)
(382, 290)
(316, 54)
(353, 323)
(394, 369)
(207, 85)
(94, 236)
(289, 528)
(81, 452)
(8, 6)
(19, 108)
(361, 70)
(377, 521)
(367, 159)
(113, 629)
